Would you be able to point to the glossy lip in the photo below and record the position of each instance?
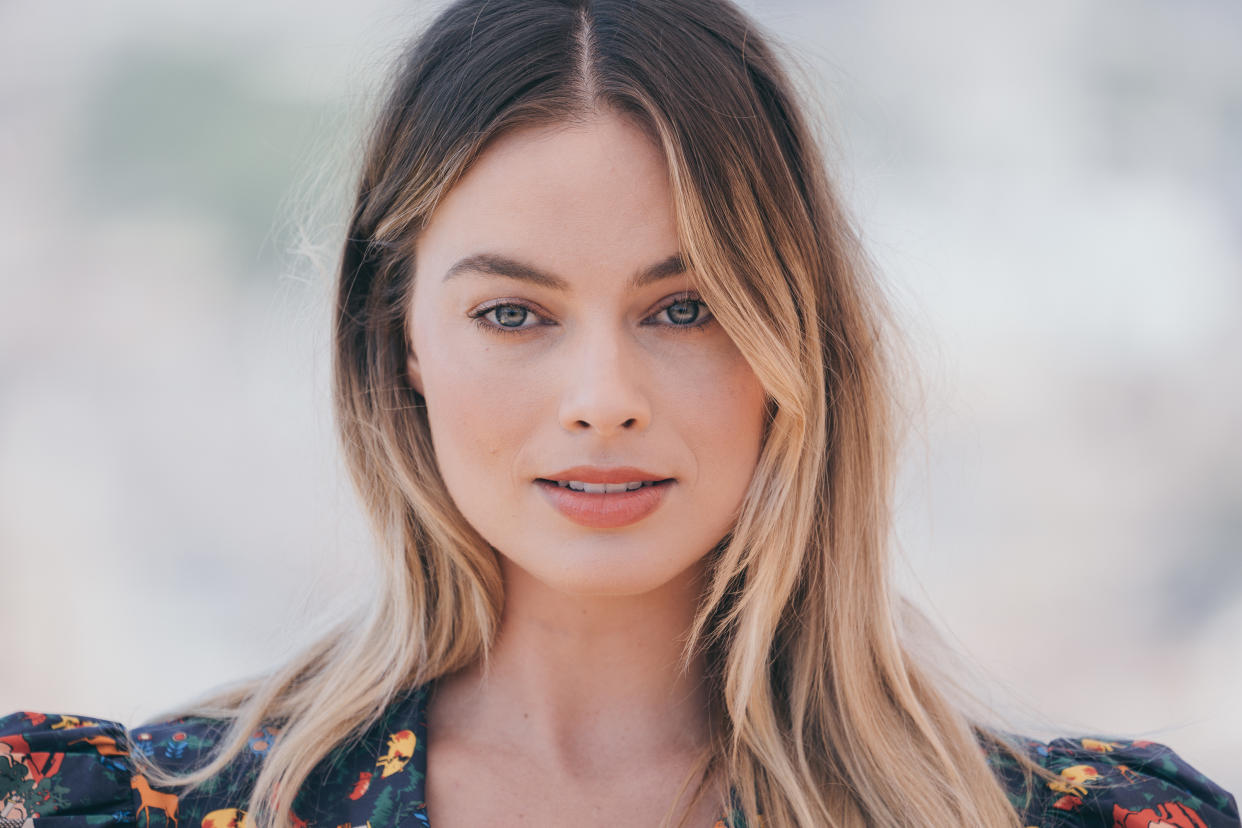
(607, 510)
(604, 474)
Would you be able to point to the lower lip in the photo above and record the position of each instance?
(609, 510)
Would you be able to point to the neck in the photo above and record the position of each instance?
(584, 678)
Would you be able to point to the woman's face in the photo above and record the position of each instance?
(538, 349)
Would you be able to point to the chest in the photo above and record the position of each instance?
(466, 789)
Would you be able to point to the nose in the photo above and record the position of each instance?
(604, 387)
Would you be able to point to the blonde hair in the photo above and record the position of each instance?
(822, 715)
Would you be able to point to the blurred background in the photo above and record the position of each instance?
(1052, 191)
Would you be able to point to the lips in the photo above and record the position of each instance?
(600, 488)
(608, 510)
(605, 474)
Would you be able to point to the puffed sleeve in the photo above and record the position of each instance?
(60, 771)
(1126, 784)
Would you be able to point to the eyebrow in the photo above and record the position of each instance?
(492, 264)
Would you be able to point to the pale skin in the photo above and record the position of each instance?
(586, 717)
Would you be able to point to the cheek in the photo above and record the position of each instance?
(480, 412)
(721, 401)
(717, 406)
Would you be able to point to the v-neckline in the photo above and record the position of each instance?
(420, 751)
(419, 760)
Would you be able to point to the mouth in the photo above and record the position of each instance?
(605, 509)
(602, 488)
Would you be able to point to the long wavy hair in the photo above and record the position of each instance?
(823, 713)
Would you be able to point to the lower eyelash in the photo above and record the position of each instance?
(481, 321)
(488, 326)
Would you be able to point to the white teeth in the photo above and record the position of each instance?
(602, 488)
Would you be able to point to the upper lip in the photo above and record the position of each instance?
(604, 474)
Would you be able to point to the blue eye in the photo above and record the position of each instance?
(505, 312)
(687, 312)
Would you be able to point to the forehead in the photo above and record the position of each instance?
(593, 195)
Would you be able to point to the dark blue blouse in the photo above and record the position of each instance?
(60, 771)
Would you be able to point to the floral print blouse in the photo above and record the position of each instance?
(60, 771)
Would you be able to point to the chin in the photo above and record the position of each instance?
(607, 585)
(617, 578)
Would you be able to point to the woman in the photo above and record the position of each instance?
(612, 379)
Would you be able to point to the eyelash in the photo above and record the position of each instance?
(479, 315)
